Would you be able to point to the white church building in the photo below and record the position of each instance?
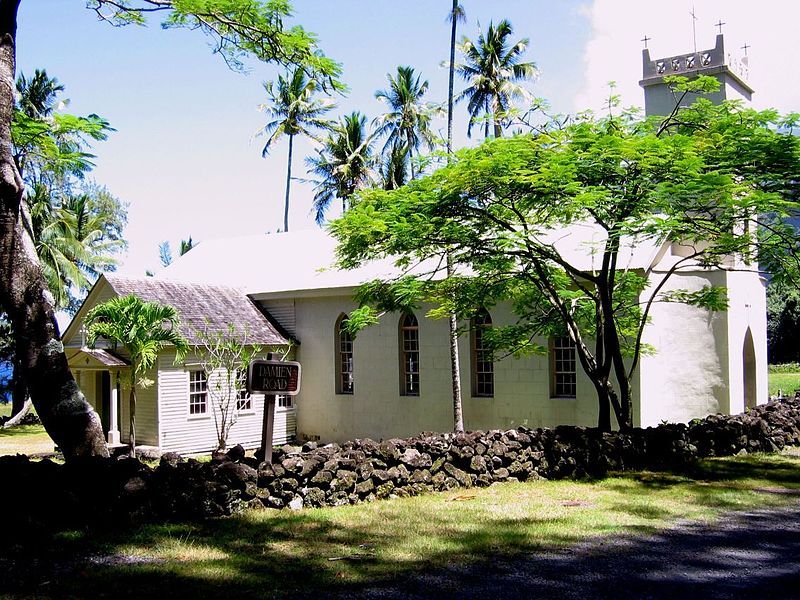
(394, 379)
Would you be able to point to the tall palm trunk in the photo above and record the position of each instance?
(411, 160)
(24, 296)
(498, 130)
(455, 373)
(288, 185)
(453, 26)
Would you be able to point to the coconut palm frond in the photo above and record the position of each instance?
(490, 66)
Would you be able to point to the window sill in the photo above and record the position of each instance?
(245, 413)
(563, 397)
(202, 417)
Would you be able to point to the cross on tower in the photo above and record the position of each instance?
(745, 47)
(719, 24)
(645, 39)
(694, 29)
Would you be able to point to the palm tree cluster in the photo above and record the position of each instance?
(349, 158)
(76, 226)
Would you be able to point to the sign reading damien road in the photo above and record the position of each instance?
(274, 377)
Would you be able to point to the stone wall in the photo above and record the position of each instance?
(47, 495)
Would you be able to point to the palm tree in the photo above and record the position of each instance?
(408, 122)
(37, 96)
(492, 69)
(293, 110)
(343, 164)
(165, 250)
(456, 15)
(72, 241)
(143, 328)
(393, 168)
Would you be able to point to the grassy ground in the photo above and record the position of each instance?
(261, 553)
(25, 439)
(787, 382)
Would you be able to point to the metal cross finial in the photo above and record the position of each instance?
(719, 24)
(745, 47)
(694, 28)
(645, 39)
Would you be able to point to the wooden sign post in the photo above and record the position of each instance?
(272, 377)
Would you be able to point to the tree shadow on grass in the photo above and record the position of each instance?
(778, 469)
(254, 555)
(747, 555)
(264, 554)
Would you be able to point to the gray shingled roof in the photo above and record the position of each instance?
(203, 307)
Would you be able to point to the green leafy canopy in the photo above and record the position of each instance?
(549, 221)
(238, 29)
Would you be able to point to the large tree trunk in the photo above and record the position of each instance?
(24, 296)
(604, 406)
(17, 417)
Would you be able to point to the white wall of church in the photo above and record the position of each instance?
(376, 409)
(146, 410)
(747, 310)
(181, 431)
(697, 368)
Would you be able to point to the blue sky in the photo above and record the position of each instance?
(184, 157)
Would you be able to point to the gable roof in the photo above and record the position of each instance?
(303, 261)
(202, 307)
(98, 357)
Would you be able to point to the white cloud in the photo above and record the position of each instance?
(614, 50)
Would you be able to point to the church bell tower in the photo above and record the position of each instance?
(731, 73)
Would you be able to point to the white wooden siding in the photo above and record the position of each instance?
(283, 312)
(182, 432)
(146, 410)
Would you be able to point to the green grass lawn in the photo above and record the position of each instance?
(25, 439)
(787, 382)
(264, 552)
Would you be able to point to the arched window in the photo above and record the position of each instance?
(409, 355)
(481, 360)
(345, 382)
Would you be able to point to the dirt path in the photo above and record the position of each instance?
(753, 555)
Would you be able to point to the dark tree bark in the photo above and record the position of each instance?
(64, 412)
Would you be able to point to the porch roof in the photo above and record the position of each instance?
(96, 358)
